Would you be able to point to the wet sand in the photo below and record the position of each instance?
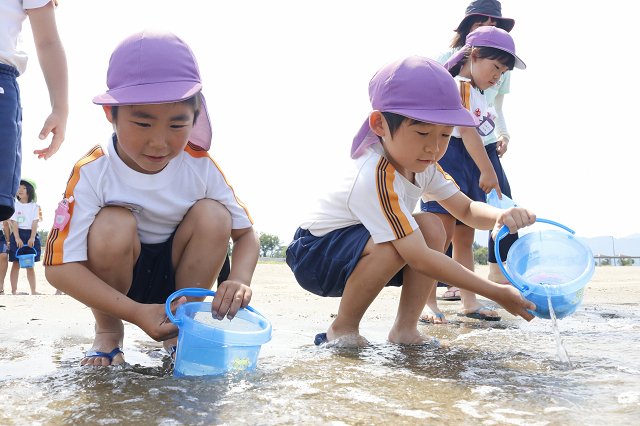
(296, 314)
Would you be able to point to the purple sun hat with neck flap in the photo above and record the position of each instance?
(487, 37)
(418, 88)
(156, 67)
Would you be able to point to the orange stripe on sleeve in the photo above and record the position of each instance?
(199, 152)
(54, 251)
(389, 200)
(446, 175)
(465, 94)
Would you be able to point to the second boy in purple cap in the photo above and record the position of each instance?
(364, 235)
(149, 211)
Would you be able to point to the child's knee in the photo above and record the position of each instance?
(210, 214)
(386, 252)
(432, 229)
(113, 228)
(463, 236)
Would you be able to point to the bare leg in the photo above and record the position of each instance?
(377, 265)
(416, 288)
(15, 273)
(463, 254)
(113, 249)
(200, 247)
(495, 274)
(31, 277)
(449, 223)
(4, 266)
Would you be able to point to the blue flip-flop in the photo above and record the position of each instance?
(172, 350)
(321, 339)
(477, 315)
(109, 355)
(428, 312)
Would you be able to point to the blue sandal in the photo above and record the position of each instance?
(108, 355)
(428, 312)
(477, 315)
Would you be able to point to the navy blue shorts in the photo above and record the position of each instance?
(153, 276)
(3, 243)
(322, 265)
(10, 140)
(468, 180)
(25, 234)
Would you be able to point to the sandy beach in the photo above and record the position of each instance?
(281, 300)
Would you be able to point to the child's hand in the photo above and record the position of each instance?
(488, 181)
(514, 218)
(19, 243)
(153, 320)
(502, 146)
(511, 300)
(31, 241)
(57, 125)
(230, 296)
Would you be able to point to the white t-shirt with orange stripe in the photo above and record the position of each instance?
(159, 201)
(476, 102)
(379, 197)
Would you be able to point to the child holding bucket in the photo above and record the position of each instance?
(363, 236)
(24, 238)
(151, 211)
(488, 53)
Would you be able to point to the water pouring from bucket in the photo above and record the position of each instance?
(546, 265)
(210, 347)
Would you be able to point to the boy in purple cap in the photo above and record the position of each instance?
(363, 236)
(149, 211)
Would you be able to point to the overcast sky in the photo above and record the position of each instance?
(287, 87)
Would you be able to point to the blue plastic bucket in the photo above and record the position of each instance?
(27, 260)
(550, 262)
(209, 347)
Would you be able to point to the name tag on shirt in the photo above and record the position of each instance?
(486, 127)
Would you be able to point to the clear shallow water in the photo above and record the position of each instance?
(504, 373)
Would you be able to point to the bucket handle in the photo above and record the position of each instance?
(193, 292)
(32, 248)
(503, 233)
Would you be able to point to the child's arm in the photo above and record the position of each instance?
(501, 126)
(53, 62)
(473, 144)
(79, 282)
(16, 234)
(34, 232)
(480, 215)
(434, 264)
(235, 293)
(7, 232)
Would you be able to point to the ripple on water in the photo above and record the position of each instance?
(490, 375)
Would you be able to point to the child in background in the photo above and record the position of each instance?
(5, 233)
(478, 14)
(151, 211)
(24, 238)
(13, 63)
(363, 236)
(488, 54)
